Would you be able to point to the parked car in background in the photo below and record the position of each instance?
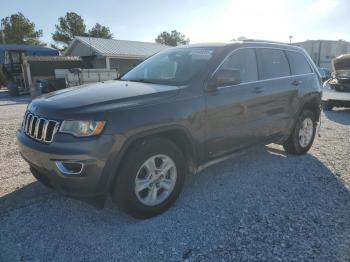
(336, 91)
(325, 73)
(176, 113)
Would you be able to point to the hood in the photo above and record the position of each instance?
(341, 67)
(105, 96)
(341, 62)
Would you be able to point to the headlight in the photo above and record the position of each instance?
(82, 128)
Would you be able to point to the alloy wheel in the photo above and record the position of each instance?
(155, 180)
(306, 132)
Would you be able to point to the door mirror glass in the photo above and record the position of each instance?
(225, 77)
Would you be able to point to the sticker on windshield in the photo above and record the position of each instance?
(201, 53)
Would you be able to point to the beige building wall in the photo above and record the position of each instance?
(323, 51)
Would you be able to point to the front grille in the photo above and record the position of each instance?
(40, 129)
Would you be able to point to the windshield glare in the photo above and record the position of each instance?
(173, 67)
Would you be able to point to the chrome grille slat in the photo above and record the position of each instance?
(43, 136)
(24, 120)
(36, 128)
(37, 125)
(55, 129)
(28, 123)
(40, 129)
(35, 120)
(31, 125)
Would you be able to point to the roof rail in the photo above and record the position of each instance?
(262, 41)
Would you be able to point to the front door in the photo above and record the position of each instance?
(231, 111)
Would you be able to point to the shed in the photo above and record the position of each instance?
(28, 50)
(43, 67)
(112, 53)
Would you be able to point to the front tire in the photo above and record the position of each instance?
(151, 178)
(303, 134)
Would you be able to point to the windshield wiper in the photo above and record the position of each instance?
(141, 81)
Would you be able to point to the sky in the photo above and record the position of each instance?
(200, 20)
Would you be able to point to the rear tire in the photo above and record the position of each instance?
(136, 170)
(303, 134)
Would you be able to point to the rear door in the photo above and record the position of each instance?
(302, 75)
(278, 93)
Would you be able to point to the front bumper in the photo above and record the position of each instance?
(96, 154)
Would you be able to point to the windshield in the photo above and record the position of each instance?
(173, 67)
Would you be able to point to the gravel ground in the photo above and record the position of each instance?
(263, 205)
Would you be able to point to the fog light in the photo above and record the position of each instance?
(70, 168)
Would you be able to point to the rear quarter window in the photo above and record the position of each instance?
(298, 63)
(272, 63)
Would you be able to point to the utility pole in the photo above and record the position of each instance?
(290, 39)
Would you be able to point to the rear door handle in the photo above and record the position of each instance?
(297, 82)
(258, 90)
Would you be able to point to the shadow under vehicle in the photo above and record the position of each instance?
(336, 91)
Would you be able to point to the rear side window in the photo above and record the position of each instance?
(272, 63)
(243, 60)
(298, 63)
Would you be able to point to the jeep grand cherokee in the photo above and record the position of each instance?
(177, 112)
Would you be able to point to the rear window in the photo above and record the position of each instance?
(298, 63)
(272, 63)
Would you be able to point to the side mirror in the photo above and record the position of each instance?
(224, 77)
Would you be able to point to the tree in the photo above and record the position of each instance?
(174, 38)
(72, 25)
(100, 31)
(69, 26)
(17, 29)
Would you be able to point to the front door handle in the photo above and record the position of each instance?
(258, 90)
(297, 82)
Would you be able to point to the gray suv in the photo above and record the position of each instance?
(179, 111)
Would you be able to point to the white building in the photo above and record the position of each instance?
(323, 51)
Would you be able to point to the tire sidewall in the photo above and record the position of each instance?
(305, 114)
(124, 189)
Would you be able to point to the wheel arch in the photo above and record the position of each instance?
(176, 134)
(312, 103)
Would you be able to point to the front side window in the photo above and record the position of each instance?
(298, 63)
(244, 61)
(173, 67)
(272, 63)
